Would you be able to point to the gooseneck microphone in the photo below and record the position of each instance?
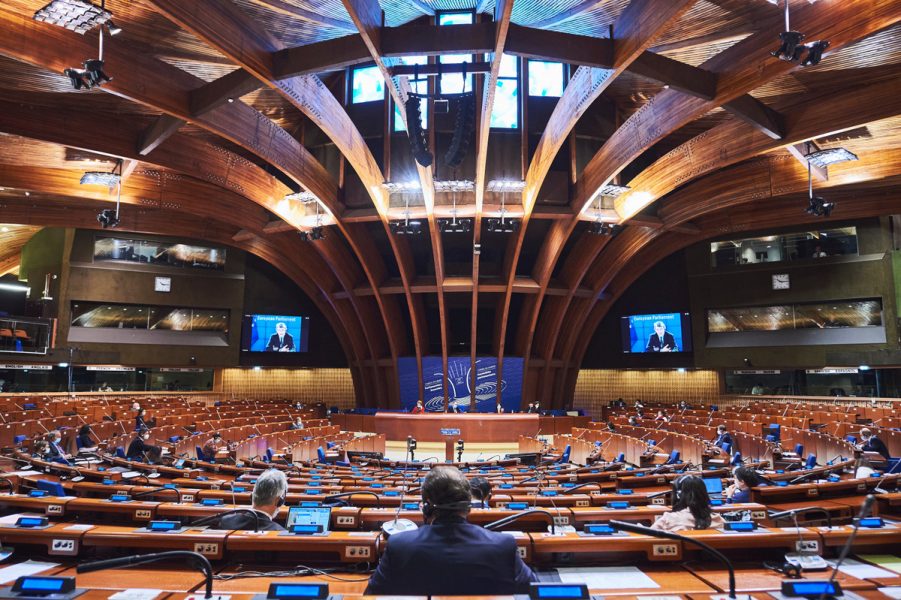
(642, 530)
(378, 499)
(115, 563)
(846, 549)
(501, 522)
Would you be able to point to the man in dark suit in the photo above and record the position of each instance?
(448, 555)
(871, 443)
(269, 494)
(140, 450)
(661, 340)
(281, 340)
(722, 438)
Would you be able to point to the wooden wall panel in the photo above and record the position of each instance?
(334, 387)
(596, 387)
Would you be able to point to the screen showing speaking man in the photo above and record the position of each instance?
(662, 332)
(275, 333)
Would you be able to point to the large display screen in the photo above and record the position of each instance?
(275, 333)
(660, 332)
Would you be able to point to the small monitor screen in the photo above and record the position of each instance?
(162, 526)
(599, 529)
(714, 485)
(741, 526)
(275, 333)
(31, 522)
(659, 332)
(809, 588)
(42, 584)
(297, 590)
(301, 515)
(561, 591)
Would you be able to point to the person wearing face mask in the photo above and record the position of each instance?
(55, 445)
(138, 449)
(40, 449)
(269, 494)
(297, 424)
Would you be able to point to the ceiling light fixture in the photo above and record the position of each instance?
(505, 185)
(107, 217)
(791, 49)
(407, 226)
(91, 74)
(830, 156)
(455, 185)
(76, 15)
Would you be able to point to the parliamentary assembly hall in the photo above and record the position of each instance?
(489, 299)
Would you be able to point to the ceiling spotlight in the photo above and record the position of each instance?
(406, 227)
(112, 28)
(401, 187)
(110, 180)
(818, 207)
(455, 225)
(317, 233)
(91, 75)
(601, 228)
(108, 218)
(502, 225)
(304, 236)
(791, 47)
(814, 53)
(829, 156)
(76, 15)
(612, 190)
(304, 197)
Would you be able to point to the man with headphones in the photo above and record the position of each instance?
(269, 494)
(449, 555)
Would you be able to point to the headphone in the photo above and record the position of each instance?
(281, 500)
(677, 487)
(429, 509)
(788, 569)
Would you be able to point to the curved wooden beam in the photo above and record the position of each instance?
(503, 10)
(228, 29)
(634, 31)
(368, 17)
(740, 69)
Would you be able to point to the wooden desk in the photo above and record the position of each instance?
(134, 510)
(752, 577)
(770, 540)
(260, 585)
(58, 539)
(336, 546)
(209, 542)
(171, 578)
(608, 549)
(475, 427)
(52, 506)
(880, 540)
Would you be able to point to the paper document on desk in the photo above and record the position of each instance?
(136, 594)
(29, 567)
(892, 592)
(607, 578)
(886, 561)
(861, 570)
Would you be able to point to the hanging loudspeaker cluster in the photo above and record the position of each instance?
(418, 141)
(463, 129)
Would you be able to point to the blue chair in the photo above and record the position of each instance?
(851, 439)
(78, 442)
(674, 457)
(727, 448)
(811, 461)
(19, 439)
(199, 452)
(799, 449)
(320, 452)
(51, 487)
(174, 439)
(120, 452)
(330, 445)
(564, 458)
(621, 458)
(268, 455)
(61, 460)
(736, 460)
(770, 438)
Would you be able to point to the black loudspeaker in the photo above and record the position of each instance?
(463, 128)
(419, 144)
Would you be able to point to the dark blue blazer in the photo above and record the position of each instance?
(450, 557)
(724, 439)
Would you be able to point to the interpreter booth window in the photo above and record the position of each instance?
(152, 252)
(841, 382)
(136, 316)
(21, 379)
(836, 314)
(802, 245)
(761, 382)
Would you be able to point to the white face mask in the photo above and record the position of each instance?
(146, 436)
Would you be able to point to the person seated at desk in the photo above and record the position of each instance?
(661, 417)
(449, 555)
(744, 478)
(595, 455)
(531, 408)
(104, 387)
(54, 443)
(140, 422)
(611, 427)
(40, 449)
(480, 488)
(212, 446)
(418, 409)
(722, 438)
(633, 421)
(500, 409)
(691, 507)
(269, 494)
(297, 424)
(871, 443)
(85, 441)
(140, 450)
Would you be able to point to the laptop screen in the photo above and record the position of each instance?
(303, 515)
(714, 485)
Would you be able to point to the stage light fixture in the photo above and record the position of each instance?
(304, 196)
(304, 236)
(456, 185)
(601, 228)
(505, 185)
(112, 28)
(791, 49)
(819, 207)
(455, 225)
(502, 225)
(815, 53)
(75, 15)
(830, 156)
(419, 144)
(612, 190)
(108, 218)
(317, 233)
(110, 180)
(406, 227)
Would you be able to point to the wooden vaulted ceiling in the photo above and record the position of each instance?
(220, 108)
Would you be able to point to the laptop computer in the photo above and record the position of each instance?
(318, 516)
(714, 487)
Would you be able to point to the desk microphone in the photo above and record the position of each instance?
(378, 499)
(864, 511)
(668, 535)
(398, 525)
(115, 563)
(215, 518)
(157, 491)
(516, 517)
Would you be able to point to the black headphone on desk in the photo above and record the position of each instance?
(788, 569)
